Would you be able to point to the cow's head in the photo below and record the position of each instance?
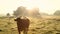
(17, 19)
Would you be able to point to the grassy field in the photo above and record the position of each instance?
(49, 25)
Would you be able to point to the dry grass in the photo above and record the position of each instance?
(49, 25)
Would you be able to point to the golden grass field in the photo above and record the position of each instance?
(45, 25)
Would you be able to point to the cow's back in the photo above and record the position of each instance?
(23, 23)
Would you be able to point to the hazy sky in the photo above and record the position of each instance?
(47, 6)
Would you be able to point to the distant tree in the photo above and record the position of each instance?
(57, 12)
(24, 12)
(20, 11)
(35, 12)
(8, 14)
(15, 13)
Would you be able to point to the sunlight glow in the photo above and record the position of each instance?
(47, 6)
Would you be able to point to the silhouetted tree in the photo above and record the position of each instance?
(8, 14)
(57, 12)
(24, 12)
(20, 11)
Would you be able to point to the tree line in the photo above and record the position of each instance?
(22, 11)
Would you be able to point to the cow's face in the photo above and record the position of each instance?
(17, 19)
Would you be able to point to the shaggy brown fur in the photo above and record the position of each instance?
(22, 24)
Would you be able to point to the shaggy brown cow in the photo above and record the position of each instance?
(22, 24)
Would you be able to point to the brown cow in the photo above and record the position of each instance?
(22, 24)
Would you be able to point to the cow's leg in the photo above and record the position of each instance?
(25, 31)
(19, 31)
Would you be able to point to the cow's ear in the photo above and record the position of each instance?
(15, 20)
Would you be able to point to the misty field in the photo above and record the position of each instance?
(49, 25)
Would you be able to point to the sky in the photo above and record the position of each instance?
(47, 6)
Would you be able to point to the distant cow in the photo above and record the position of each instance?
(22, 24)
